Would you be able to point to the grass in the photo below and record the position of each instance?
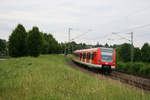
(48, 77)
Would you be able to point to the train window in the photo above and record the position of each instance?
(93, 55)
(88, 55)
(83, 55)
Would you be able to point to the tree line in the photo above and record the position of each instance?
(140, 55)
(34, 42)
(31, 43)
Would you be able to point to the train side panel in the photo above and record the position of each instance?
(96, 58)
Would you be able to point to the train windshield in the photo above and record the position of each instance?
(107, 54)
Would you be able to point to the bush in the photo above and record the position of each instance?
(145, 70)
(138, 68)
(121, 66)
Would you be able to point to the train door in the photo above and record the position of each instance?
(85, 56)
(88, 57)
(80, 56)
(91, 57)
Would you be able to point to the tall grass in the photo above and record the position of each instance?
(50, 78)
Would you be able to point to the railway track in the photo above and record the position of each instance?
(140, 82)
(136, 81)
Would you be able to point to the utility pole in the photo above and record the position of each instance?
(67, 47)
(69, 31)
(132, 48)
(69, 39)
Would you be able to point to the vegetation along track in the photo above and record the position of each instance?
(137, 81)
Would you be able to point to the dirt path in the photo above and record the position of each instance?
(3, 59)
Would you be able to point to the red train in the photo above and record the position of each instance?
(100, 58)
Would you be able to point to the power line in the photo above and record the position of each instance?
(80, 35)
(138, 27)
(69, 31)
(134, 28)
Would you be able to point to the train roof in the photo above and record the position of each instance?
(93, 49)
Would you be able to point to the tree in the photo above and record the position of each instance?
(145, 52)
(106, 45)
(34, 42)
(44, 48)
(17, 42)
(52, 44)
(98, 45)
(2, 47)
(124, 52)
(62, 47)
(137, 54)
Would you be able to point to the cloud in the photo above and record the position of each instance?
(56, 16)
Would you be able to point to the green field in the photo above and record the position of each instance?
(48, 77)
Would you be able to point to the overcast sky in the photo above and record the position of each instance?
(101, 16)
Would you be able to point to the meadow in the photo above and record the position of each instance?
(49, 77)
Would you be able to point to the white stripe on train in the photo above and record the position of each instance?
(91, 65)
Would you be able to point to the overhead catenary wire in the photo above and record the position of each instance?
(82, 34)
(121, 32)
(134, 28)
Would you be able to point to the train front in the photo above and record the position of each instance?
(108, 59)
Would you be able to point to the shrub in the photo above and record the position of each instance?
(138, 68)
(145, 70)
(121, 66)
